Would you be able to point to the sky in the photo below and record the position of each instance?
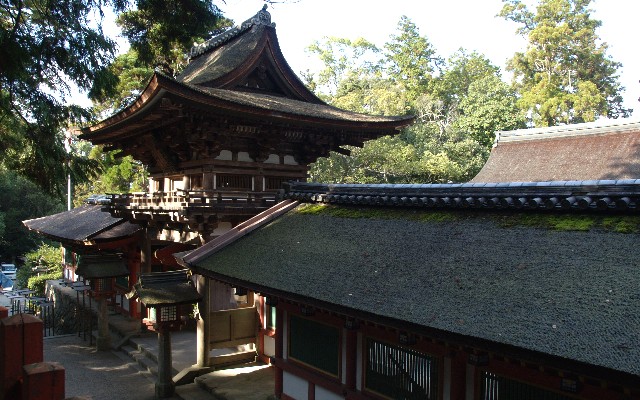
(448, 24)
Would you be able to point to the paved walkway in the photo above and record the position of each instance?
(98, 375)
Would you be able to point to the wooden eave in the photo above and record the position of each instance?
(128, 122)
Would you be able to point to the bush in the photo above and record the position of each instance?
(46, 255)
(38, 283)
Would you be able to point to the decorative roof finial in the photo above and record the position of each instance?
(261, 18)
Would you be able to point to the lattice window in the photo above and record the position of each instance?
(274, 182)
(228, 181)
(400, 373)
(307, 336)
(495, 387)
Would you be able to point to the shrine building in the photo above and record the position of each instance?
(521, 284)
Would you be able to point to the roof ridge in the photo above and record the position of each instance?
(263, 17)
(579, 129)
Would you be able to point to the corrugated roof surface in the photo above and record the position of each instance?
(595, 152)
(568, 294)
(80, 224)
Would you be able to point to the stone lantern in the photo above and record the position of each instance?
(101, 269)
(164, 294)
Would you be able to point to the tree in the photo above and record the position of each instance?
(45, 46)
(411, 60)
(119, 175)
(21, 200)
(449, 141)
(161, 31)
(565, 75)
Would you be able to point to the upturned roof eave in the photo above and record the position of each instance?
(160, 84)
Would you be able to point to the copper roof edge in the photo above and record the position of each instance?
(239, 231)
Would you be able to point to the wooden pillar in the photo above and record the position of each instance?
(207, 181)
(351, 353)
(458, 375)
(164, 385)
(186, 182)
(145, 252)
(103, 342)
(279, 352)
(203, 324)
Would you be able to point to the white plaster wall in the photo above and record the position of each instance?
(324, 394)
(244, 156)
(289, 160)
(295, 387)
(269, 346)
(273, 159)
(221, 228)
(225, 155)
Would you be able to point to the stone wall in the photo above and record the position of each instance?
(71, 314)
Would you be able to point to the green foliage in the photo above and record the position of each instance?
(459, 105)
(564, 76)
(118, 175)
(38, 283)
(46, 255)
(21, 200)
(574, 222)
(122, 82)
(44, 45)
(161, 31)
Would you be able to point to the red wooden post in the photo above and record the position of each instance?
(279, 350)
(20, 344)
(43, 381)
(459, 376)
(4, 312)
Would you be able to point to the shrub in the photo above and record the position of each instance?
(38, 283)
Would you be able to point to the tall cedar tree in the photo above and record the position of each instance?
(565, 75)
(46, 45)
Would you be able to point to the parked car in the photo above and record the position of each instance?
(9, 270)
(98, 199)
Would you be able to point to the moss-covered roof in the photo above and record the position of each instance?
(571, 294)
(166, 288)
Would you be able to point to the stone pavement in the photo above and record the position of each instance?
(98, 375)
(107, 375)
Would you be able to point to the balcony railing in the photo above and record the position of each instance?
(181, 200)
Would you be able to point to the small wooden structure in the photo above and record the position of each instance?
(165, 295)
(101, 269)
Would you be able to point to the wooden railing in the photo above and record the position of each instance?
(233, 327)
(180, 199)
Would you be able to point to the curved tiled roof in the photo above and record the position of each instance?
(600, 150)
(594, 195)
(87, 222)
(296, 107)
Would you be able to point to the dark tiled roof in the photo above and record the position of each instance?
(80, 224)
(297, 107)
(166, 288)
(569, 294)
(593, 195)
(102, 265)
(223, 59)
(609, 150)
